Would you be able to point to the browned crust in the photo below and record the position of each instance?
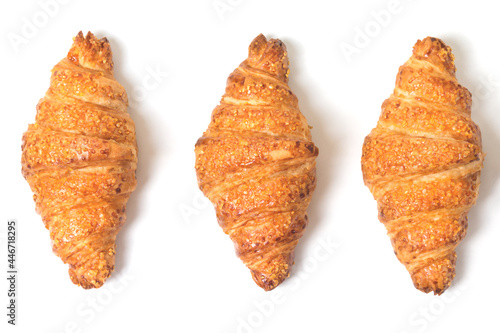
(256, 163)
(422, 164)
(91, 52)
(79, 159)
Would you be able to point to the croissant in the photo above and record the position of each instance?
(422, 164)
(79, 159)
(256, 163)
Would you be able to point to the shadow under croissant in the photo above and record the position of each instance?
(490, 140)
(322, 138)
(489, 178)
(147, 151)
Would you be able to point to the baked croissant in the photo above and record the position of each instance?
(256, 163)
(79, 159)
(422, 164)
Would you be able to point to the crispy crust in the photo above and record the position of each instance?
(90, 52)
(422, 164)
(79, 159)
(256, 163)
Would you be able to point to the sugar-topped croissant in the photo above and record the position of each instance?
(79, 159)
(256, 163)
(422, 164)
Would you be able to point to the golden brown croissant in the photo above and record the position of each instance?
(422, 164)
(256, 163)
(79, 159)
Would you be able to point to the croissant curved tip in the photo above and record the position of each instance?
(267, 282)
(437, 52)
(269, 56)
(89, 279)
(93, 272)
(91, 52)
(274, 271)
(436, 276)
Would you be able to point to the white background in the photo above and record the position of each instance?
(176, 270)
